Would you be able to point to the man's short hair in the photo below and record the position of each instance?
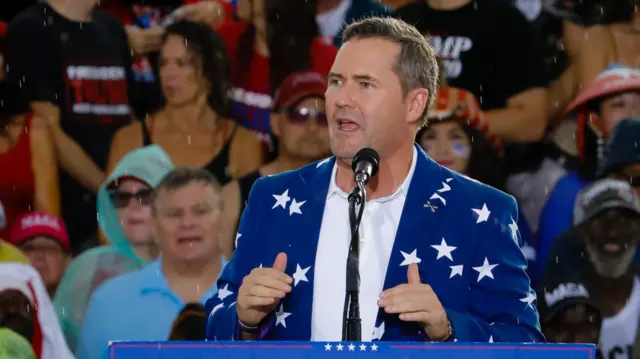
(181, 177)
(416, 65)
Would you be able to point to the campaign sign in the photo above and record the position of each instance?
(372, 350)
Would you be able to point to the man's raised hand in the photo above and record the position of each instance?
(262, 290)
(416, 302)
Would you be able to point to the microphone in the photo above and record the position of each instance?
(365, 165)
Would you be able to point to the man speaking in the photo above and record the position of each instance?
(439, 255)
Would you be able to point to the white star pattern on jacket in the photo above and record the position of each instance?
(281, 316)
(529, 299)
(456, 270)
(410, 258)
(300, 275)
(378, 332)
(224, 292)
(501, 229)
(295, 207)
(444, 250)
(513, 226)
(439, 197)
(485, 269)
(483, 214)
(445, 188)
(281, 199)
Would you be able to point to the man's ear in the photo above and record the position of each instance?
(276, 121)
(416, 101)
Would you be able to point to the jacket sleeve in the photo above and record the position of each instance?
(222, 322)
(503, 307)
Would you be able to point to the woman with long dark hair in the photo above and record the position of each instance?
(28, 164)
(273, 39)
(192, 125)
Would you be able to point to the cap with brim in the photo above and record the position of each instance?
(297, 87)
(615, 203)
(36, 224)
(550, 313)
(602, 195)
(609, 82)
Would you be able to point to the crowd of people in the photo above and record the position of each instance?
(131, 133)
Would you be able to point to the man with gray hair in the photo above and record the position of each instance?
(422, 224)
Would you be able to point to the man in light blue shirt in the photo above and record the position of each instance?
(142, 305)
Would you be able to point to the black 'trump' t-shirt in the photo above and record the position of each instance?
(487, 47)
(85, 69)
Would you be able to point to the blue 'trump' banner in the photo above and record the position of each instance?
(373, 350)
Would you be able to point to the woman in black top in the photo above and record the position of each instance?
(192, 126)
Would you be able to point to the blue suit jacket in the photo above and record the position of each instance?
(484, 287)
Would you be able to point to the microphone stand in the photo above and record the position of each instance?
(351, 322)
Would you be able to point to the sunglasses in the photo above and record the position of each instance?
(121, 199)
(302, 115)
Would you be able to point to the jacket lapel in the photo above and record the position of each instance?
(419, 227)
(314, 184)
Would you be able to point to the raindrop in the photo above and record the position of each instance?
(557, 260)
(198, 288)
(189, 139)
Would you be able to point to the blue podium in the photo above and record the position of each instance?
(318, 350)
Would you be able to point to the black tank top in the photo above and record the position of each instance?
(218, 166)
(245, 183)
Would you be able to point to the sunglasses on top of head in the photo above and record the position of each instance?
(302, 115)
(121, 199)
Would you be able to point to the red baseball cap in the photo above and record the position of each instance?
(33, 224)
(609, 82)
(298, 86)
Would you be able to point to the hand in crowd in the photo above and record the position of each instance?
(208, 12)
(262, 290)
(416, 302)
(144, 41)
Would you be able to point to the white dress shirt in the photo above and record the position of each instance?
(377, 234)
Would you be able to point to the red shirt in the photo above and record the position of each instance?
(17, 186)
(251, 101)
